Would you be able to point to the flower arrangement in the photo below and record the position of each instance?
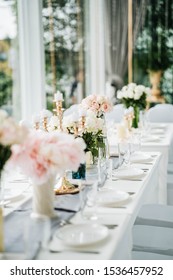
(92, 133)
(10, 133)
(43, 155)
(97, 104)
(135, 96)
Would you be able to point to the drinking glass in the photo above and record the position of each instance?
(36, 235)
(135, 142)
(88, 195)
(124, 153)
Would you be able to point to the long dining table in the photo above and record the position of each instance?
(118, 242)
(117, 219)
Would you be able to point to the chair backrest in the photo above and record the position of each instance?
(116, 115)
(160, 113)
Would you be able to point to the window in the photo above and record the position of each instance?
(63, 23)
(9, 77)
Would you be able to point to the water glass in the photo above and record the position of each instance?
(88, 194)
(124, 153)
(37, 233)
(135, 143)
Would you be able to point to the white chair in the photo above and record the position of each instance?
(116, 115)
(140, 255)
(155, 215)
(154, 240)
(160, 113)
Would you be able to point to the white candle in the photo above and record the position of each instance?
(121, 131)
(36, 118)
(82, 112)
(74, 117)
(45, 113)
(58, 96)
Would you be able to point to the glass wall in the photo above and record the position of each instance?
(63, 23)
(153, 48)
(9, 77)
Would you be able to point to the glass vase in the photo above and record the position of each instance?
(135, 121)
(80, 173)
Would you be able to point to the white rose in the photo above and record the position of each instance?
(131, 86)
(124, 94)
(137, 96)
(130, 94)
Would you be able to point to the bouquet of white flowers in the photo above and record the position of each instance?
(135, 96)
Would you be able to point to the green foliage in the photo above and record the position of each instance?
(93, 142)
(5, 88)
(153, 47)
(141, 103)
(5, 153)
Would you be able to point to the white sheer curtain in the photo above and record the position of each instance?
(116, 36)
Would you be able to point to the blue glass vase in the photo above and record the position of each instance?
(80, 173)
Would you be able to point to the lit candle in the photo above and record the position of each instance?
(45, 113)
(74, 117)
(82, 112)
(36, 118)
(121, 131)
(58, 96)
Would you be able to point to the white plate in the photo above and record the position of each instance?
(158, 131)
(151, 138)
(12, 195)
(111, 197)
(128, 173)
(82, 234)
(140, 158)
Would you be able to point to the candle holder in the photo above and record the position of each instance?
(58, 111)
(65, 187)
(76, 129)
(36, 125)
(82, 122)
(45, 123)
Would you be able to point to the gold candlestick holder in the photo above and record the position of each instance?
(36, 125)
(82, 122)
(45, 122)
(76, 129)
(59, 112)
(65, 187)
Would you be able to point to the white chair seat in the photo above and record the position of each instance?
(155, 215)
(139, 255)
(151, 239)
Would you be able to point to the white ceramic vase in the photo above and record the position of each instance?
(43, 199)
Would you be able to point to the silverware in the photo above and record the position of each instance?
(109, 226)
(74, 251)
(65, 210)
(118, 179)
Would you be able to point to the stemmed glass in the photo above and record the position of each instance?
(124, 153)
(88, 194)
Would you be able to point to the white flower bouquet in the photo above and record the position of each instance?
(133, 95)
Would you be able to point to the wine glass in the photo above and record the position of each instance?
(124, 153)
(88, 195)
